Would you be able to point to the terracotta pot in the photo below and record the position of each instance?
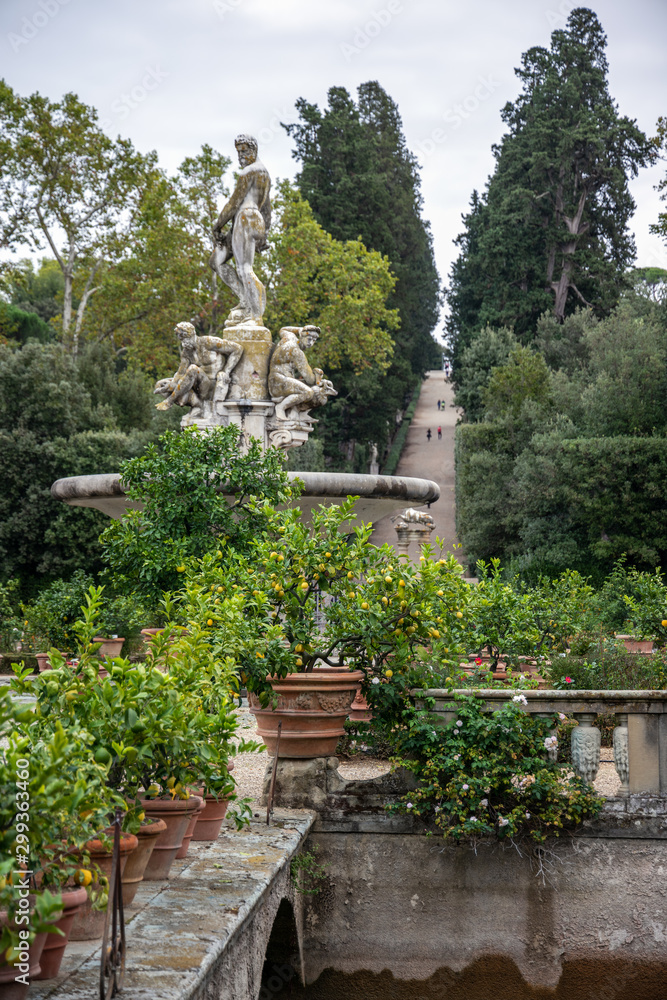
(359, 710)
(109, 647)
(135, 866)
(9, 988)
(190, 829)
(312, 708)
(54, 948)
(636, 645)
(43, 661)
(209, 821)
(176, 814)
(88, 923)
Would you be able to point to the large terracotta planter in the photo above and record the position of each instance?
(9, 988)
(88, 923)
(135, 866)
(54, 947)
(176, 814)
(312, 708)
(190, 829)
(109, 647)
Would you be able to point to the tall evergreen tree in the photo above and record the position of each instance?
(362, 182)
(550, 232)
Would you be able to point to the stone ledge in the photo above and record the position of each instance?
(180, 932)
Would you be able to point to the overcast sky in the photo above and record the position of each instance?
(173, 74)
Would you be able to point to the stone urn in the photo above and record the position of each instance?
(312, 708)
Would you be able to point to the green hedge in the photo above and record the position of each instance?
(562, 502)
(393, 458)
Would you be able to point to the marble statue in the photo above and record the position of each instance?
(249, 211)
(412, 516)
(412, 526)
(288, 359)
(203, 376)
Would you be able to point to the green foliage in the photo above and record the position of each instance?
(306, 875)
(37, 291)
(61, 416)
(488, 774)
(53, 799)
(197, 492)
(551, 230)
(19, 326)
(524, 377)
(488, 349)
(338, 285)
(147, 727)
(362, 183)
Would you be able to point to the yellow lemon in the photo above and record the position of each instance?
(459, 614)
(180, 569)
(209, 622)
(82, 876)
(441, 593)
(389, 673)
(299, 661)
(350, 576)
(327, 555)
(387, 579)
(304, 585)
(351, 593)
(298, 648)
(364, 605)
(664, 622)
(219, 590)
(385, 601)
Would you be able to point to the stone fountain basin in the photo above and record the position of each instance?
(378, 495)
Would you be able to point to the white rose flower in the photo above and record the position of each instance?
(484, 802)
(375, 681)
(465, 787)
(502, 821)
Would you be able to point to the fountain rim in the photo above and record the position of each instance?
(316, 484)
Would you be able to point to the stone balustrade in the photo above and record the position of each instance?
(640, 738)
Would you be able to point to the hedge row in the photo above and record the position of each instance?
(393, 458)
(558, 501)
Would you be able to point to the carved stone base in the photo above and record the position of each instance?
(286, 434)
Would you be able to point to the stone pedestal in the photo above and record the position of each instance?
(250, 416)
(250, 376)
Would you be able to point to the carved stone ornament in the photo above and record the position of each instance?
(336, 702)
(295, 396)
(203, 377)
(621, 756)
(586, 748)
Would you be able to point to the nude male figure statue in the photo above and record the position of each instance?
(203, 375)
(287, 359)
(249, 208)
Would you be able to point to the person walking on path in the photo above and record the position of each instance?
(428, 434)
(439, 433)
(438, 404)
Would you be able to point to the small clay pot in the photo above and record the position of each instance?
(190, 829)
(135, 866)
(43, 661)
(54, 947)
(176, 814)
(88, 923)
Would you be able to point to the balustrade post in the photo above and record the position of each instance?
(552, 752)
(586, 741)
(621, 758)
